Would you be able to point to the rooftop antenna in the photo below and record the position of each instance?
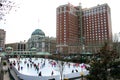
(38, 22)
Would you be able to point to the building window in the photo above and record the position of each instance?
(65, 8)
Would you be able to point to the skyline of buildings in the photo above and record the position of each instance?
(79, 28)
(16, 21)
(81, 34)
(37, 42)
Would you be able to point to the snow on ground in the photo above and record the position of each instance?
(33, 66)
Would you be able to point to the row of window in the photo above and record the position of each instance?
(88, 14)
(95, 26)
(37, 38)
(96, 31)
(95, 9)
(92, 35)
(101, 38)
(101, 16)
(92, 10)
(89, 21)
(97, 37)
(92, 23)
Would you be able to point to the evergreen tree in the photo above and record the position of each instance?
(100, 64)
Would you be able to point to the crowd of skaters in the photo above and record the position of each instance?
(30, 62)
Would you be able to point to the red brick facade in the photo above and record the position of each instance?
(93, 24)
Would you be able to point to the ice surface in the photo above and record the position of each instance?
(46, 66)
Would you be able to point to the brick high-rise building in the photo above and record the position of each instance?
(97, 26)
(67, 27)
(76, 27)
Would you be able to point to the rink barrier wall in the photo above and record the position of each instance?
(70, 76)
(10, 75)
(28, 77)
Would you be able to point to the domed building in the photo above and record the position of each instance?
(39, 33)
(39, 41)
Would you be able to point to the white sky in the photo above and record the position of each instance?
(41, 14)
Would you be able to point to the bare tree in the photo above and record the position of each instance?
(5, 8)
(115, 37)
(61, 66)
(116, 43)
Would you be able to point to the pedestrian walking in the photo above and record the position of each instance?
(52, 73)
(40, 74)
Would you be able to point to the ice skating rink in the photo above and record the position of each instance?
(45, 67)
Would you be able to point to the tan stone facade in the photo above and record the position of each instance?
(18, 46)
(2, 39)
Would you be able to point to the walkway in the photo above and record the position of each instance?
(6, 75)
(1, 74)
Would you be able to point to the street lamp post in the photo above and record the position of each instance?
(82, 74)
(83, 51)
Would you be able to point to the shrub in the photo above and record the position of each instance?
(4, 63)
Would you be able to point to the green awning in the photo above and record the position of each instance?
(33, 49)
(9, 48)
(3, 54)
(43, 53)
(88, 53)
